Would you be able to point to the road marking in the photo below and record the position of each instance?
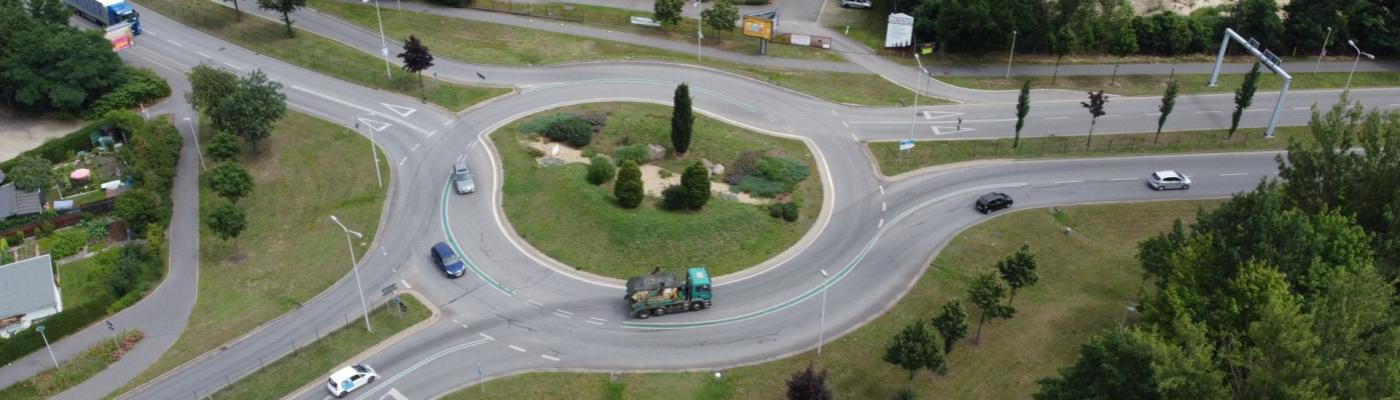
(1060, 182)
(174, 43)
(1308, 108)
(549, 357)
(788, 129)
(1112, 115)
(376, 125)
(1257, 109)
(770, 118)
(883, 206)
(234, 66)
(561, 315)
(447, 122)
(390, 382)
(989, 120)
(400, 110)
(843, 123)
(395, 394)
(402, 161)
(833, 112)
(1208, 112)
(462, 157)
(1151, 114)
(464, 326)
(415, 128)
(405, 284)
(534, 304)
(1123, 179)
(434, 132)
(1056, 118)
(488, 337)
(882, 189)
(203, 55)
(594, 322)
(415, 146)
(1235, 174)
(563, 312)
(853, 137)
(516, 348)
(927, 115)
(1395, 105)
(598, 319)
(882, 223)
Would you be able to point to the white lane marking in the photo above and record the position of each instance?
(561, 315)
(415, 146)
(415, 128)
(447, 122)
(395, 394)
(884, 206)
(376, 125)
(833, 112)
(1235, 174)
(1256, 109)
(1112, 115)
(788, 129)
(549, 357)
(488, 337)
(201, 54)
(563, 312)
(843, 123)
(405, 284)
(770, 118)
(462, 157)
(417, 365)
(927, 115)
(1395, 105)
(594, 322)
(1123, 179)
(534, 304)
(881, 224)
(968, 121)
(1151, 114)
(434, 132)
(882, 189)
(402, 161)
(1308, 108)
(400, 110)
(516, 348)
(174, 43)
(853, 137)
(464, 326)
(598, 319)
(1060, 182)
(234, 66)
(1056, 118)
(1208, 112)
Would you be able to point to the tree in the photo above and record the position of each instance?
(1023, 108)
(986, 293)
(668, 12)
(141, 207)
(682, 120)
(208, 84)
(1168, 103)
(237, 14)
(600, 170)
(223, 147)
(696, 181)
(721, 16)
(916, 348)
(1121, 43)
(1258, 19)
(230, 181)
(46, 68)
(808, 384)
(1018, 270)
(1062, 42)
(628, 188)
(1244, 96)
(1095, 106)
(284, 7)
(251, 108)
(1127, 363)
(1155, 254)
(951, 324)
(416, 58)
(32, 173)
(51, 12)
(226, 221)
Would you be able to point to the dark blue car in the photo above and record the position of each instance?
(448, 261)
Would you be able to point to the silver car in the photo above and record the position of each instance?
(462, 179)
(1163, 180)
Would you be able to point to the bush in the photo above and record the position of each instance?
(696, 181)
(72, 319)
(636, 153)
(787, 211)
(746, 164)
(140, 86)
(782, 169)
(600, 170)
(629, 190)
(570, 129)
(537, 126)
(223, 147)
(674, 197)
(758, 186)
(65, 243)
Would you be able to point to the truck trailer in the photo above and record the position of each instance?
(107, 12)
(660, 293)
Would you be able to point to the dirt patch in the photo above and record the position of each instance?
(652, 181)
(18, 134)
(1183, 7)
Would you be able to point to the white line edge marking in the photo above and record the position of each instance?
(884, 206)
(488, 337)
(1208, 112)
(534, 303)
(389, 383)
(405, 284)
(843, 123)
(833, 112)
(402, 161)
(882, 189)
(549, 357)
(201, 54)
(1058, 182)
(563, 312)
(1123, 179)
(1235, 174)
(1056, 118)
(174, 43)
(882, 223)
(597, 319)
(516, 348)
(594, 322)
(234, 66)
(561, 315)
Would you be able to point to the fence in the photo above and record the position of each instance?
(62, 220)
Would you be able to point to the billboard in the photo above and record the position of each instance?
(120, 36)
(900, 30)
(759, 27)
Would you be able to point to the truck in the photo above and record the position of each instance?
(660, 293)
(107, 12)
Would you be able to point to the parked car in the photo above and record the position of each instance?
(993, 201)
(855, 3)
(447, 261)
(1163, 180)
(349, 379)
(462, 178)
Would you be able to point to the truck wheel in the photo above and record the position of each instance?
(696, 306)
(659, 312)
(643, 315)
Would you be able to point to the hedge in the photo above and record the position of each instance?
(71, 320)
(57, 149)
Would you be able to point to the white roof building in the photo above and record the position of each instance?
(27, 294)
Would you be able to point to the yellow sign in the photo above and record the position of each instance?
(120, 36)
(758, 27)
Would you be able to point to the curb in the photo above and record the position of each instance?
(390, 341)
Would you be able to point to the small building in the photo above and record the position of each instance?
(27, 294)
(15, 202)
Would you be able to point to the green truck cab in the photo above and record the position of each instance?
(659, 293)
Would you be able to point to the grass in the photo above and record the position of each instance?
(290, 250)
(51, 382)
(1154, 85)
(83, 280)
(578, 223)
(1085, 281)
(488, 43)
(893, 162)
(318, 359)
(315, 52)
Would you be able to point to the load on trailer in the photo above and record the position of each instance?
(659, 293)
(107, 12)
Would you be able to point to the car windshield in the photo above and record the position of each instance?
(1156, 177)
(128, 16)
(462, 175)
(361, 368)
(450, 259)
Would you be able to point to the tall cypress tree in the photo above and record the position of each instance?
(1023, 108)
(1244, 96)
(1168, 103)
(682, 120)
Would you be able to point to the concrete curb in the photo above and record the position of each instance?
(390, 341)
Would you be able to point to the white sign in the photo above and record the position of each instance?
(906, 144)
(800, 40)
(644, 21)
(900, 30)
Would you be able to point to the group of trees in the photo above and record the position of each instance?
(1113, 27)
(1286, 291)
(693, 191)
(151, 153)
(48, 66)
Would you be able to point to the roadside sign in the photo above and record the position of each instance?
(389, 289)
(1269, 55)
(39, 328)
(906, 145)
(120, 35)
(758, 27)
(644, 21)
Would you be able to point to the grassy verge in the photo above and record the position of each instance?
(316, 360)
(290, 250)
(85, 280)
(1085, 281)
(488, 43)
(74, 371)
(579, 224)
(314, 52)
(1154, 85)
(893, 162)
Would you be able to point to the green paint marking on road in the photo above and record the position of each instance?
(452, 241)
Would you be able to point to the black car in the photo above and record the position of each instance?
(993, 201)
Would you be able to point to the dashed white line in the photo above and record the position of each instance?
(1308, 108)
(415, 146)
(561, 315)
(563, 312)
(1256, 109)
(434, 132)
(1059, 182)
(1123, 179)
(881, 224)
(1112, 115)
(549, 357)
(402, 161)
(488, 337)
(598, 319)
(883, 206)
(174, 43)
(843, 123)
(447, 122)
(1151, 114)
(516, 348)
(594, 322)
(833, 112)
(1208, 112)
(1056, 118)
(234, 66)
(201, 54)
(1395, 105)
(882, 189)
(405, 284)
(534, 304)
(464, 326)
(853, 137)
(1235, 174)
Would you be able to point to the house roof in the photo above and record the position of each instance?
(19, 202)
(27, 286)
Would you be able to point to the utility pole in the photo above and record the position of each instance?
(355, 268)
(821, 326)
(1359, 53)
(1322, 53)
(1013, 55)
(383, 43)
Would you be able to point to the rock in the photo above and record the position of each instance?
(551, 161)
(707, 163)
(727, 195)
(717, 169)
(655, 152)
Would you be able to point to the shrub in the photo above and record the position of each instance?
(674, 198)
(538, 125)
(588, 152)
(32, 173)
(66, 242)
(223, 147)
(629, 190)
(746, 164)
(761, 187)
(782, 169)
(140, 86)
(95, 228)
(787, 211)
(600, 170)
(574, 131)
(636, 153)
(56, 327)
(696, 181)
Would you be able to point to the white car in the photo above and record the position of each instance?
(1163, 180)
(855, 3)
(348, 379)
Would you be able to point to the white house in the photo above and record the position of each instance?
(27, 294)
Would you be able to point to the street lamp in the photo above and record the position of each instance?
(383, 44)
(353, 267)
(699, 35)
(40, 328)
(374, 150)
(1013, 55)
(1359, 53)
(1322, 53)
(918, 83)
(821, 326)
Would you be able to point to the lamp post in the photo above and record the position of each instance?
(1013, 55)
(918, 82)
(355, 268)
(699, 35)
(374, 150)
(821, 326)
(40, 329)
(1322, 53)
(1359, 53)
(383, 43)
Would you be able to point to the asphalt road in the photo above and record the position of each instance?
(519, 311)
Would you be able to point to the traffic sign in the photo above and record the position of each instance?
(906, 144)
(39, 328)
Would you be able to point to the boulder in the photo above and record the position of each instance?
(717, 169)
(655, 152)
(551, 161)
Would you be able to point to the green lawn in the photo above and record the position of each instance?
(578, 223)
(488, 43)
(1154, 85)
(1086, 280)
(74, 371)
(317, 360)
(85, 279)
(291, 251)
(893, 162)
(314, 52)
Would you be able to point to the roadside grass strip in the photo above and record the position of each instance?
(1154, 85)
(74, 371)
